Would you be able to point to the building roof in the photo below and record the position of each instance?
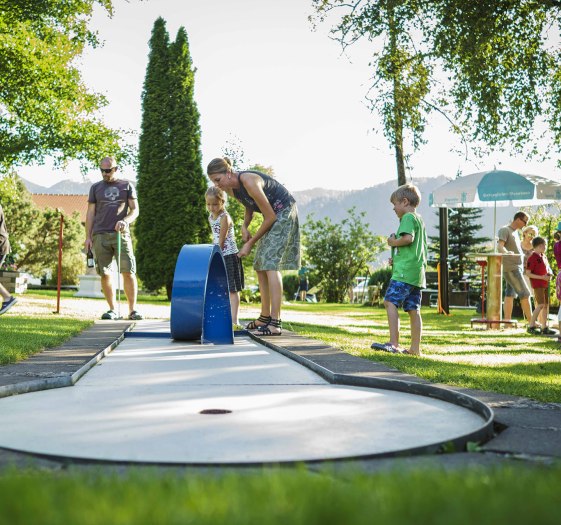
(67, 203)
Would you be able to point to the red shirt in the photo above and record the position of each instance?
(537, 264)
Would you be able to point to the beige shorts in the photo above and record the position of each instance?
(105, 248)
(541, 295)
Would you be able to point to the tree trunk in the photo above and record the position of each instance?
(399, 159)
(397, 116)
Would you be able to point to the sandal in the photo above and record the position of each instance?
(266, 331)
(265, 319)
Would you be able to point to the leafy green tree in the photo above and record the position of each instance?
(402, 68)
(505, 72)
(463, 225)
(21, 214)
(171, 183)
(546, 218)
(41, 253)
(45, 109)
(490, 67)
(154, 163)
(34, 234)
(339, 252)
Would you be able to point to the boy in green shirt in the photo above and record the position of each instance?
(409, 261)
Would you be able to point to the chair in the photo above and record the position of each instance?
(374, 295)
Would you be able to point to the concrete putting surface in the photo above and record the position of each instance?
(154, 400)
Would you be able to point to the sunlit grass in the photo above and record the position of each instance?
(22, 336)
(70, 294)
(278, 497)
(450, 338)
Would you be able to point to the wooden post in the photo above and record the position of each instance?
(494, 290)
(444, 304)
(59, 276)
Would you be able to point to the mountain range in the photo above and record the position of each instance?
(322, 203)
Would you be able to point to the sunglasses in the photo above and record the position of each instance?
(107, 170)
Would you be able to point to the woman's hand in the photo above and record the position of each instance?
(245, 250)
(246, 236)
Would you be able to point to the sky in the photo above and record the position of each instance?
(266, 80)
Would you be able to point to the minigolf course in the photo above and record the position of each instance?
(158, 399)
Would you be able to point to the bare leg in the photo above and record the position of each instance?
(507, 307)
(535, 315)
(108, 292)
(416, 331)
(265, 297)
(526, 308)
(544, 317)
(4, 293)
(275, 290)
(235, 306)
(130, 286)
(393, 322)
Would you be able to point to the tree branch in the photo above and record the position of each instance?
(454, 125)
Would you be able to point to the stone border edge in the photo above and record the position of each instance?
(480, 435)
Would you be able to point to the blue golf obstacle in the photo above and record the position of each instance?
(200, 299)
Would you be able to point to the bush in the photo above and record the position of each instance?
(248, 296)
(290, 285)
(381, 277)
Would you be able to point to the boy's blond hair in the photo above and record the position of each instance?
(409, 192)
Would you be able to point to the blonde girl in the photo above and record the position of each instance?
(223, 235)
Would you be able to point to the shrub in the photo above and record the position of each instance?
(248, 296)
(290, 285)
(381, 277)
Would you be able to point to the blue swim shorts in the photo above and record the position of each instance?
(403, 295)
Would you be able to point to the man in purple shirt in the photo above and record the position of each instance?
(112, 207)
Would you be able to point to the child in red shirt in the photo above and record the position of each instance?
(540, 273)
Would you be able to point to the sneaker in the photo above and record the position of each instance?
(6, 305)
(386, 347)
(548, 331)
(135, 316)
(534, 330)
(110, 314)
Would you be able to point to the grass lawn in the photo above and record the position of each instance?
(272, 496)
(69, 294)
(23, 335)
(507, 361)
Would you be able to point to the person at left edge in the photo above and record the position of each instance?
(112, 207)
(8, 300)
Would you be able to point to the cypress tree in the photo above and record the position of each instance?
(186, 170)
(463, 225)
(153, 161)
(171, 179)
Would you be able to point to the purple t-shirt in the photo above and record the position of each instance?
(111, 201)
(557, 253)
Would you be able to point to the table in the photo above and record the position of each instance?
(491, 311)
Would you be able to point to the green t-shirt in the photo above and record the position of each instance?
(409, 262)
